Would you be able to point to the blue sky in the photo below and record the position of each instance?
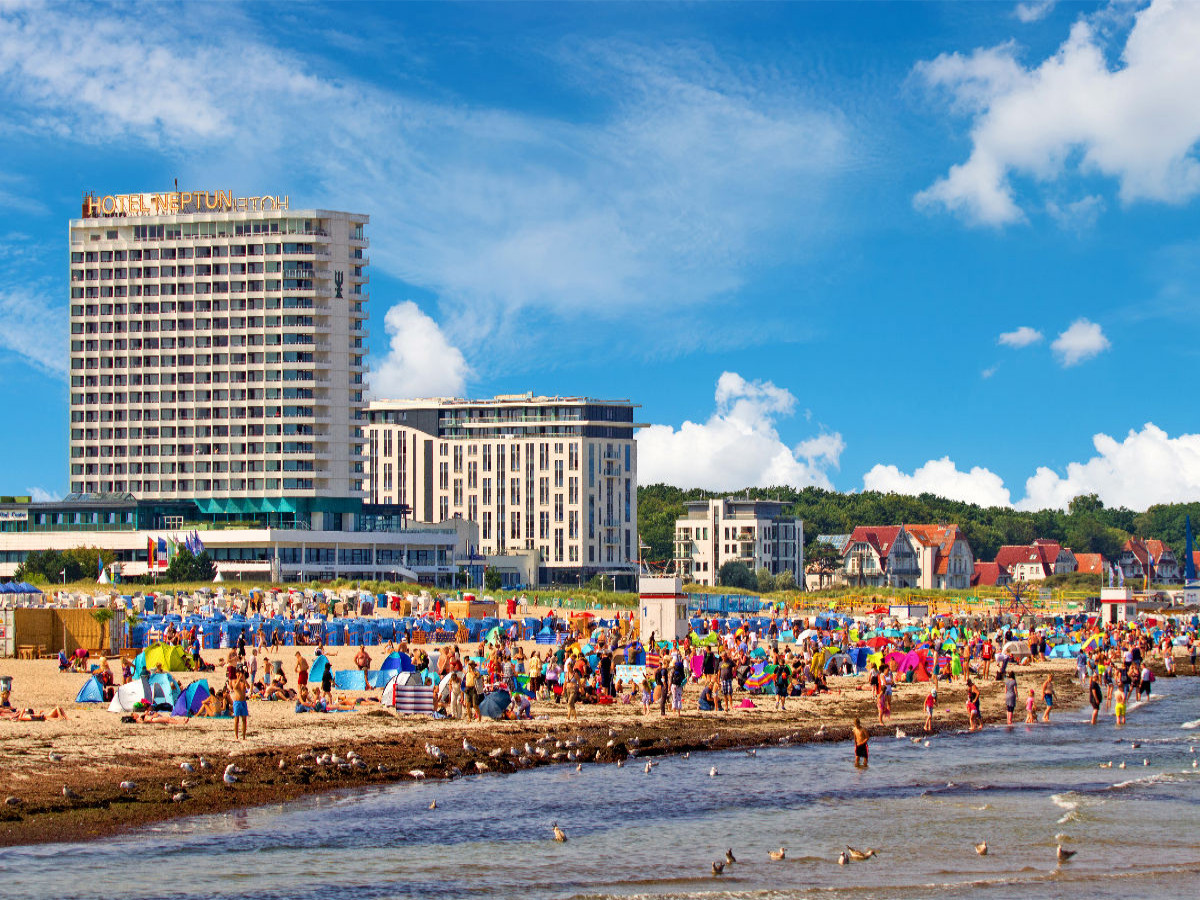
(947, 247)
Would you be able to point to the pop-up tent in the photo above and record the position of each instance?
(190, 699)
(317, 670)
(91, 692)
(392, 665)
(170, 657)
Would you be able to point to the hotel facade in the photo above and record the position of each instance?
(551, 476)
(217, 354)
(753, 532)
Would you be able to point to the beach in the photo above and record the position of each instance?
(98, 751)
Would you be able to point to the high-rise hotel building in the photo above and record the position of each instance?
(217, 354)
(553, 474)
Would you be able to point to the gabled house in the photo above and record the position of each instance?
(1140, 558)
(1036, 561)
(880, 556)
(943, 556)
(1092, 564)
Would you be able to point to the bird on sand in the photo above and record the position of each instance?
(129, 785)
(13, 801)
(718, 868)
(187, 767)
(559, 834)
(981, 849)
(229, 778)
(777, 854)
(55, 757)
(860, 855)
(1064, 854)
(69, 794)
(468, 746)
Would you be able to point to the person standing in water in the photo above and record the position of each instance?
(1119, 704)
(1048, 696)
(1010, 695)
(860, 745)
(1095, 696)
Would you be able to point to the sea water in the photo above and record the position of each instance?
(1024, 790)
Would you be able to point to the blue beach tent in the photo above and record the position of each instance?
(91, 692)
(189, 701)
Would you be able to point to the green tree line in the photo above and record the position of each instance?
(1086, 526)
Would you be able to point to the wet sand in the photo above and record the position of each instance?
(99, 751)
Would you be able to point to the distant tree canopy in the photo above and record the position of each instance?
(1086, 526)
(46, 566)
(187, 566)
(736, 574)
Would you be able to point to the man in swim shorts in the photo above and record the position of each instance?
(860, 745)
(241, 709)
(1095, 696)
(1119, 705)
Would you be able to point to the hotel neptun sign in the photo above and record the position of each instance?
(174, 202)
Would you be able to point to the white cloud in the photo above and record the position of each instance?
(1033, 10)
(1148, 467)
(941, 477)
(739, 445)
(420, 361)
(1136, 120)
(34, 328)
(1078, 215)
(988, 372)
(1079, 343)
(1022, 337)
(675, 184)
(41, 495)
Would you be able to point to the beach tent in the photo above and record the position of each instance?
(125, 696)
(349, 680)
(91, 692)
(1017, 649)
(494, 704)
(170, 656)
(189, 700)
(393, 664)
(317, 670)
(408, 694)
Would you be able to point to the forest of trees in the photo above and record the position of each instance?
(1087, 526)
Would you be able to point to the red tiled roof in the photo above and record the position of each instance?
(1137, 548)
(1157, 549)
(1090, 563)
(1041, 552)
(986, 573)
(879, 537)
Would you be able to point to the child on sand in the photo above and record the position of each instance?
(1030, 703)
(930, 704)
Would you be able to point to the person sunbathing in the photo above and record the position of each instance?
(277, 691)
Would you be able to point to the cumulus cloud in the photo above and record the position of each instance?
(421, 361)
(943, 478)
(1135, 120)
(1079, 343)
(1022, 337)
(41, 495)
(739, 446)
(1033, 10)
(1078, 215)
(1147, 467)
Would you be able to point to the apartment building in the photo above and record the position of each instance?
(754, 532)
(217, 354)
(556, 475)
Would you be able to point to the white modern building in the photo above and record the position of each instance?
(552, 474)
(217, 350)
(754, 532)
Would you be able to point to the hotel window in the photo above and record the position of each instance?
(573, 490)
(487, 526)
(558, 473)
(543, 456)
(543, 491)
(558, 507)
(558, 545)
(573, 550)
(515, 491)
(443, 476)
(387, 476)
(516, 524)
(573, 457)
(487, 492)
(487, 458)
(443, 508)
(387, 443)
(472, 475)
(573, 524)
(458, 492)
(544, 525)
(514, 456)
(473, 508)
(458, 458)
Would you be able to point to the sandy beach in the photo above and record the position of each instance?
(98, 751)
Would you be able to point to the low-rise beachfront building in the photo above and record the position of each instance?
(1036, 561)
(754, 532)
(990, 574)
(373, 544)
(930, 557)
(1092, 564)
(943, 556)
(1150, 560)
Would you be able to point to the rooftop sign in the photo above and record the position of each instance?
(172, 202)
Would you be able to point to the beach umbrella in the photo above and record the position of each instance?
(494, 704)
(891, 632)
(806, 634)
(878, 641)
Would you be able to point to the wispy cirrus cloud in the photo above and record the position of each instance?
(1021, 337)
(672, 188)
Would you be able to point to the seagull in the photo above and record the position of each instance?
(559, 834)
(467, 746)
(843, 859)
(187, 767)
(927, 743)
(13, 801)
(55, 757)
(687, 755)
(497, 753)
(205, 764)
(1064, 855)
(901, 733)
(579, 767)
(713, 773)
(1135, 745)
(620, 763)
(232, 769)
(282, 764)
(129, 785)
(777, 854)
(1107, 765)
(179, 798)
(187, 784)
(981, 849)
(229, 778)
(481, 766)
(860, 855)
(729, 858)
(1122, 765)
(433, 804)
(1145, 762)
(416, 773)
(718, 868)
(648, 768)
(752, 752)
(69, 794)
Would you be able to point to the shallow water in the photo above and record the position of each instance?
(1023, 790)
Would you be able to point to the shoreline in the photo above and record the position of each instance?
(397, 744)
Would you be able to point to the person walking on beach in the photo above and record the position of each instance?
(1030, 703)
(860, 745)
(241, 709)
(1095, 696)
(930, 705)
(1048, 696)
(362, 662)
(974, 714)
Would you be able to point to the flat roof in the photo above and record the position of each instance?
(498, 400)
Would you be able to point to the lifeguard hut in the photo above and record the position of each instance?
(1117, 605)
(663, 607)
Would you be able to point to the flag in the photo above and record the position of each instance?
(162, 553)
(1120, 577)
(99, 564)
(151, 561)
(1189, 562)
